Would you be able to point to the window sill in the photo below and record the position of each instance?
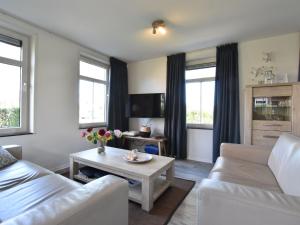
(200, 126)
(85, 126)
(17, 134)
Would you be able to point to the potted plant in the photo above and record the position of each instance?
(100, 136)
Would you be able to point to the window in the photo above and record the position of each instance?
(93, 90)
(200, 90)
(14, 83)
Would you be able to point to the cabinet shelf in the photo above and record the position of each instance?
(272, 106)
(270, 111)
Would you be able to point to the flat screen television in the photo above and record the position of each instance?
(146, 105)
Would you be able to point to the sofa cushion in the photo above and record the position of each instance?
(245, 173)
(23, 197)
(20, 172)
(281, 152)
(288, 176)
(284, 162)
(6, 158)
(222, 176)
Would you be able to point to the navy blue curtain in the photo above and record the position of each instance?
(118, 97)
(175, 110)
(226, 126)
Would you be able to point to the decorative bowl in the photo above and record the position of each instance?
(141, 158)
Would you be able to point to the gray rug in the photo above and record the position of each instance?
(164, 207)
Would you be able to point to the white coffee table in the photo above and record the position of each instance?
(149, 174)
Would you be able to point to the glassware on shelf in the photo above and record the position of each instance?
(272, 108)
(263, 75)
(269, 77)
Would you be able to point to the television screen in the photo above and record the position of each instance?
(147, 105)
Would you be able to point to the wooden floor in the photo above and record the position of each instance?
(186, 213)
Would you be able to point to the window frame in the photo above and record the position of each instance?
(25, 85)
(94, 62)
(203, 126)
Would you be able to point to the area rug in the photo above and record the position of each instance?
(164, 207)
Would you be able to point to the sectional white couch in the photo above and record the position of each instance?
(251, 185)
(32, 195)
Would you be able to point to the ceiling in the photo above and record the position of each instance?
(121, 28)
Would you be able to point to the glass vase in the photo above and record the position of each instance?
(101, 148)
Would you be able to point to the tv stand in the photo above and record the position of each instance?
(159, 141)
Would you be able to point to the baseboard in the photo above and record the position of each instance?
(200, 159)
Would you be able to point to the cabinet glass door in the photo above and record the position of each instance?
(272, 108)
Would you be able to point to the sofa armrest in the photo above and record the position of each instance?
(251, 153)
(222, 203)
(15, 150)
(102, 201)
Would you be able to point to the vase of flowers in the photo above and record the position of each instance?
(100, 136)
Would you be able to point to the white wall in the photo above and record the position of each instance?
(150, 76)
(56, 132)
(199, 145)
(147, 77)
(285, 59)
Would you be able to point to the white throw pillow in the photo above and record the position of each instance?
(6, 158)
(280, 152)
(281, 158)
(289, 174)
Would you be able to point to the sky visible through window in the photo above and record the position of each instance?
(10, 51)
(10, 87)
(92, 95)
(200, 73)
(200, 95)
(92, 71)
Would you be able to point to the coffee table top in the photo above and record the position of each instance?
(112, 158)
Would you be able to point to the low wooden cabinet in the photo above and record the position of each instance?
(271, 110)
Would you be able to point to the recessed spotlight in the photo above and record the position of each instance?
(159, 26)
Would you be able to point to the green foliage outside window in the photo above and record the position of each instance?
(194, 117)
(207, 118)
(9, 117)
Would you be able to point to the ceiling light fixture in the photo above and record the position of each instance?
(159, 26)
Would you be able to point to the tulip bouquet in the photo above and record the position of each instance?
(101, 136)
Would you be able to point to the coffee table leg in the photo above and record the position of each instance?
(147, 194)
(159, 148)
(170, 174)
(73, 168)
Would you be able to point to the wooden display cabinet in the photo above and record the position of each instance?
(271, 110)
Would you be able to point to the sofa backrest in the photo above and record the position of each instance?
(284, 161)
(15, 150)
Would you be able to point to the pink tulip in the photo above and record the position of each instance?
(83, 134)
(107, 134)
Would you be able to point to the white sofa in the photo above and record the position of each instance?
(32, 195)
(251, 185)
